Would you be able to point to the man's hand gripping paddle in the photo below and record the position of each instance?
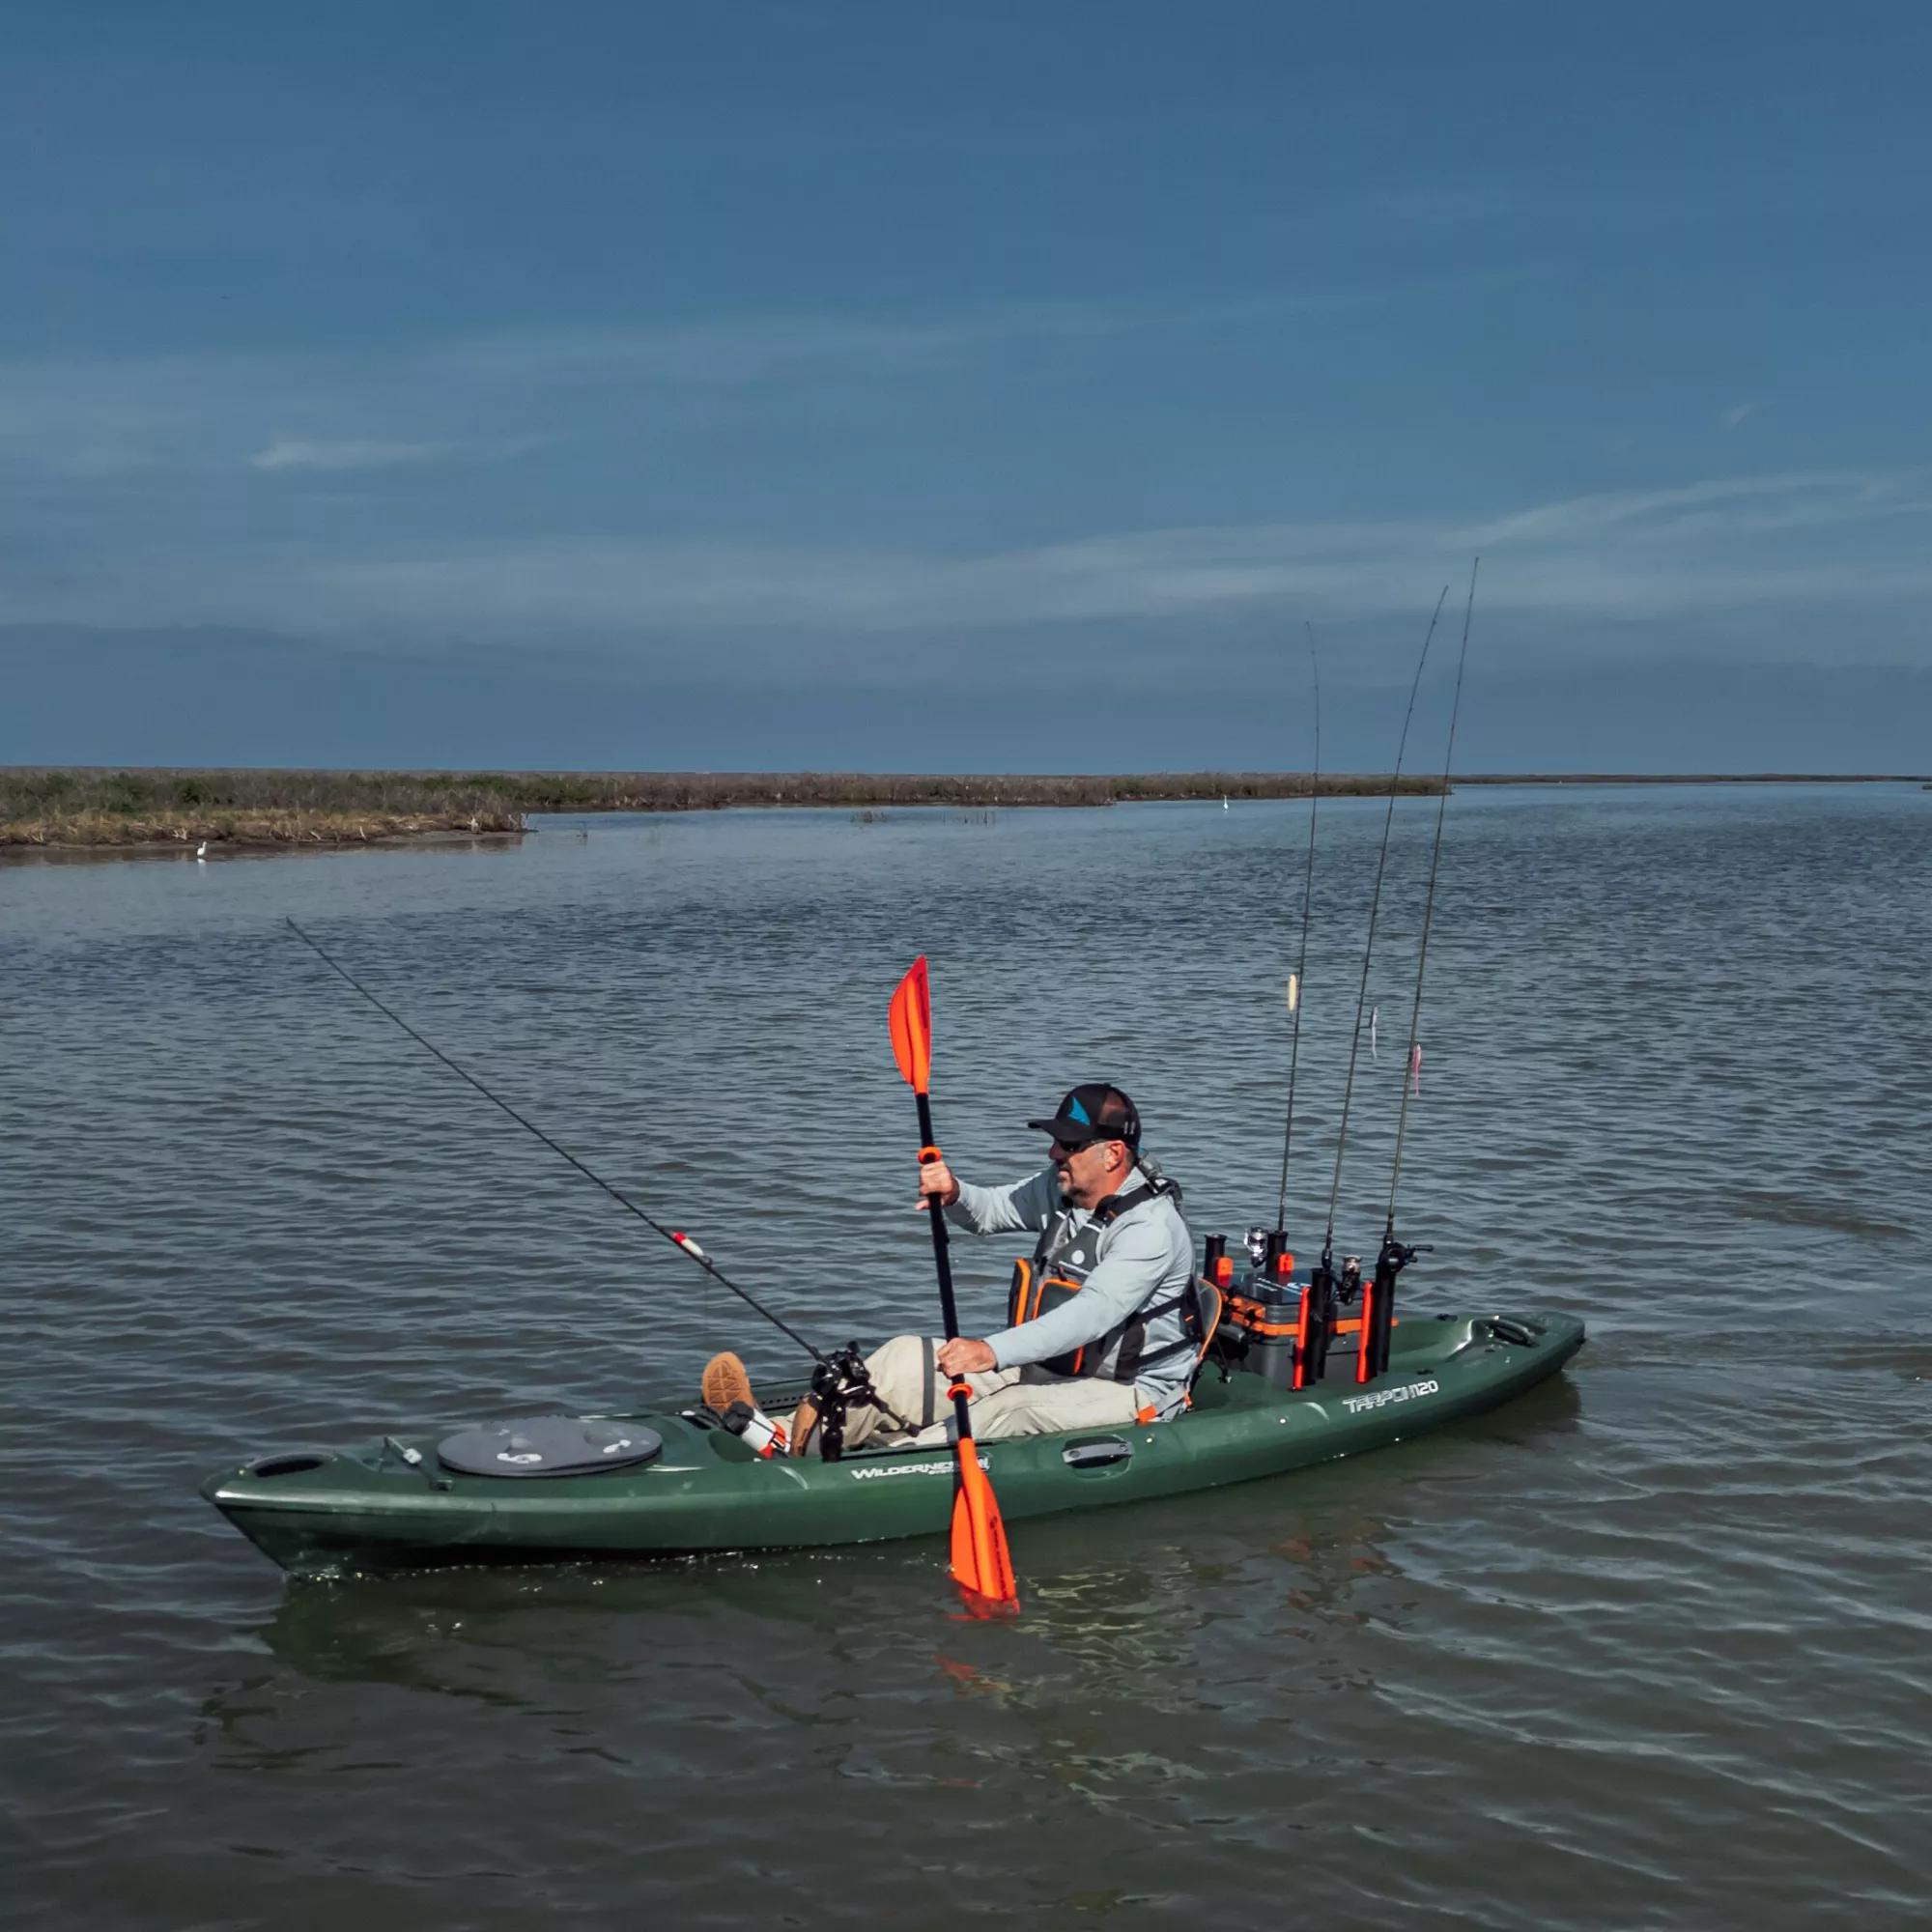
(982, 1564)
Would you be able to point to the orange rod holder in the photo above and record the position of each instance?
(1304, 1329)
(1365, 1337)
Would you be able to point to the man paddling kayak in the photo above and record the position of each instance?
(1105, 1329)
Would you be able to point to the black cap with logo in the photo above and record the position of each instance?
(1093, 1111)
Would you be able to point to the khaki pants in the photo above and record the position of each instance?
(1004, 1402)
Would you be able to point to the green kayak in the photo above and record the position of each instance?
(679, 1485)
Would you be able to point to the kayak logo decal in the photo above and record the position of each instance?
(1355, 1404)
(939, 1468)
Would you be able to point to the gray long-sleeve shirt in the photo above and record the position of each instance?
(1143, 1258)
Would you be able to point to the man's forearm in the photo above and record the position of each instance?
(993, 1210)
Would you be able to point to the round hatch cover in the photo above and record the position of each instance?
(548, 1445)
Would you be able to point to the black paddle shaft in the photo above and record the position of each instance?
(973, 1507)
(942, 1253)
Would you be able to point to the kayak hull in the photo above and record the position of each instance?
(372, 1509)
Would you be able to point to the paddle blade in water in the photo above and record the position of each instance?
(982, 1566)
(911, 1016)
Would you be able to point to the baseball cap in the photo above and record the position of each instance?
(1093, 1111)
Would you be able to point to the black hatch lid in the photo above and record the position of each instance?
(548, 1445)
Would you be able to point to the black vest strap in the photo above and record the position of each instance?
(1111, 1209)
(1135, 1334)
(1117, 1204)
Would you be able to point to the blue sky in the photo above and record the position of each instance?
(988, 387)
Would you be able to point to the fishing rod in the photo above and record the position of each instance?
(1413, 1061)
(1372, 1351)
(1325, 1273)
(1299, 983)
(681, 1241)
(1315, 1322)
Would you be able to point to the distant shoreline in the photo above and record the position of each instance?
(72, 807)
(95, 807)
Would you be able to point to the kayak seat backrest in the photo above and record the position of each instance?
(1020, 1295)
(1033, 1294)
(1206, 1310)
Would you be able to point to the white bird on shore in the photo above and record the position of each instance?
(201, 852)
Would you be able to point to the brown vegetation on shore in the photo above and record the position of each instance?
(70, 806)
(248, 828)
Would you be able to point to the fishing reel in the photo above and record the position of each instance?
(839, 1380)
(1372, 1357)
(1395, 1256)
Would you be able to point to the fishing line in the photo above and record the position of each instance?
(681, 1243)
(1298, 985)
(1413, 1062)
(1368, 950)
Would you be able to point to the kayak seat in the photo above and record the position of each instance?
(1033, 1294)
(1204, 1311)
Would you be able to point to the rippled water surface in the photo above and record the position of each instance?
(1647, 1648)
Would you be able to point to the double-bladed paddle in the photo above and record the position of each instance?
(982, 1564)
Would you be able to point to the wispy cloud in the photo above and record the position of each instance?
(103, 452)
(1743, 544)
(484, 395)
(1725, 507)
(478, 395)
(350, 453)
(1739, 413)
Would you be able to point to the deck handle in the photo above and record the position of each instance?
(1506, 1330)
(1096, 1454)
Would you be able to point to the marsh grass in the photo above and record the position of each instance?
(261, 827)
(81, 806)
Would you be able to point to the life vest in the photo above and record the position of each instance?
(1068, 1253)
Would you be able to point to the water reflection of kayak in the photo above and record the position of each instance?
(662, 1483)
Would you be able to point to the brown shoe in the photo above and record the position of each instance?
(723, 1383)
(804, 1421)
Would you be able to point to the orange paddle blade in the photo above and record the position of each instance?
(911, 1016)
(982, 1563)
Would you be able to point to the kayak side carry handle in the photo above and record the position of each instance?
(1100, 1453)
